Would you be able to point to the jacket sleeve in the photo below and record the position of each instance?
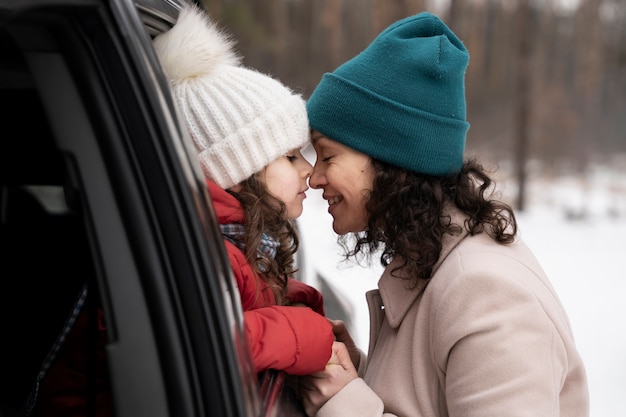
(299, 292)
(294, 339)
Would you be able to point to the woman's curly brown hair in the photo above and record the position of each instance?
(264, 213)
(407, 214)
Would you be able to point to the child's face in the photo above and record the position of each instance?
(347, 177)
(286, 179)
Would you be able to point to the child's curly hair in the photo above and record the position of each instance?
(264, 213)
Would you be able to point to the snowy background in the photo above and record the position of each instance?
(575, 225)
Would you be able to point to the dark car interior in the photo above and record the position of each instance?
(43, 241)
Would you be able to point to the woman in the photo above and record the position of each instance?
(464, 321)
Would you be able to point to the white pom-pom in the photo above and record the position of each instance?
(194, 47)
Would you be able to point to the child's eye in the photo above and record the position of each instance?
(291, 158)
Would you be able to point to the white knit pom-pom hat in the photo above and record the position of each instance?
(240, 119)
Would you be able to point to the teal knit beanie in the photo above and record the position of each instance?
(401, 100)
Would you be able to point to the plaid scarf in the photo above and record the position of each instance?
(235, 233)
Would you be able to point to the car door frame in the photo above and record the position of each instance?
(175, 324)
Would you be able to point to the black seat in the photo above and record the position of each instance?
(44, 253)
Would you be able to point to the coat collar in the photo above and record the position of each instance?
(396, 296)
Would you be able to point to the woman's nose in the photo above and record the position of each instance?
(317, 177)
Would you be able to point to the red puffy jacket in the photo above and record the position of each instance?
(297, 340)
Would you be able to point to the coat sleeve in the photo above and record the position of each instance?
(297, 340)
(294, 339)
(356, 399)
(299, 292)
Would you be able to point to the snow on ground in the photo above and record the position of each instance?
(576, 228)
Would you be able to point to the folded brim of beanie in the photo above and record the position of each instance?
(387, 130)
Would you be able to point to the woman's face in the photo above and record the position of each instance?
(346, 177)
(285, 179)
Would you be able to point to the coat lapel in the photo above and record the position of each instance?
(397, 297)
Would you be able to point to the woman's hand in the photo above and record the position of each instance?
(316, 389)
(342, 335)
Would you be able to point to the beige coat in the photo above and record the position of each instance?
(487, 336)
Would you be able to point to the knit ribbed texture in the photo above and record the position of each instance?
(401, 100)
(239, 119)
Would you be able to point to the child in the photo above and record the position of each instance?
(248, 129)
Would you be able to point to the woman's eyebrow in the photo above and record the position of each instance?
(316, 137)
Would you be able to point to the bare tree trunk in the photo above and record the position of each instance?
(333, 28)
(455, 14)
(521, 101)
(589, 74)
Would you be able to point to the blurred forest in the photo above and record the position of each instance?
(546, 84)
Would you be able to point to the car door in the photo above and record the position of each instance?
(101, 191)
